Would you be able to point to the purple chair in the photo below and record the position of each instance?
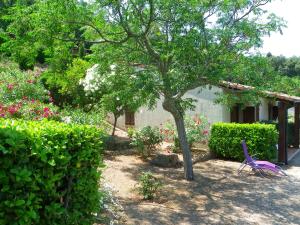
(257, 165)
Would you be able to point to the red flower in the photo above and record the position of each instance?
(46, 109)
(205, 132)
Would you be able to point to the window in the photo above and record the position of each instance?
(129, 118)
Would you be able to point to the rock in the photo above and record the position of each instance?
(166, 160)
(117, 143)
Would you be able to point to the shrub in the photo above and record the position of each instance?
(30, 110)
(149, 185)
(130, 132)
(95, 117)
(23, 96)
(226, 140)
(146, 140)
(64, 82)
(49, 172)
(16, 85)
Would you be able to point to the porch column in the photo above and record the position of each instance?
(282, 142)
(296, 124)
(257, 113)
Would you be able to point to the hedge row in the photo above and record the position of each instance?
(49, 172)
(261, 140)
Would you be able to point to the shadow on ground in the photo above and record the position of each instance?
(216, 196)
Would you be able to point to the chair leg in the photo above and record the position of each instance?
(242, 166)
(260, 171)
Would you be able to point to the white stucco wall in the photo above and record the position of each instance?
(204, 106)
(264, 109)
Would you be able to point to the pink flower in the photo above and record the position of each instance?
(10, 86)
(46, 110)
(30, 81)
(2, 115)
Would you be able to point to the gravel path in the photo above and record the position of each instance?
(217, 196)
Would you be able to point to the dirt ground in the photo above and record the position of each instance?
(217, 195)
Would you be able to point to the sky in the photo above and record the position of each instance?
(287, 44)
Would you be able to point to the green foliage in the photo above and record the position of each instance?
(146, 140)
(130, 131)
(49, 172)
(117, 90)
(95, 117)
(285, 66)
(16, 85)
(64, 82)
(195, 46)
(149, 185)
(226, 139)
(23, 96)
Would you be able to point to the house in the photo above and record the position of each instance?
(273, 106)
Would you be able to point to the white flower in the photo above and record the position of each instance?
(66, 119)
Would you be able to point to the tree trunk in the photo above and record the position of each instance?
(115, 124)
(170, 106)
(187, 157)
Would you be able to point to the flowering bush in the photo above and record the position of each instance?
(29, 109)
(197, 131)
(16, 85)
(23, 96)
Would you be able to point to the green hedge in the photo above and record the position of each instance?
(261, 140)
(49, 172)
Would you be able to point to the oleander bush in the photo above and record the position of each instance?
(197, 131)
(22, 95)
(261, 139)
(49, 172)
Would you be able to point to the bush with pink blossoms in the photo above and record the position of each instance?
(197, 131)
(22, 95)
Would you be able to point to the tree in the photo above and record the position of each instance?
(181, 44)
(116, 91)
(285, 66)
(10, 11)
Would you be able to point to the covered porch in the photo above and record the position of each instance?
(278, 108)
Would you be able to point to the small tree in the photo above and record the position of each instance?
(115, 91)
